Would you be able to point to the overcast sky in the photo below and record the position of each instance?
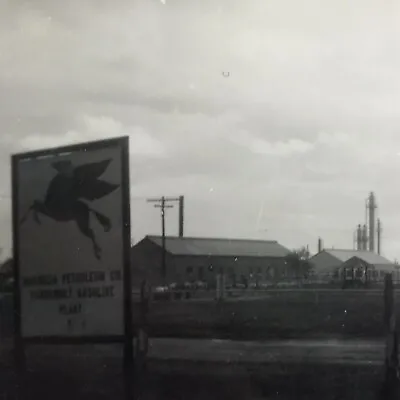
(287, 147)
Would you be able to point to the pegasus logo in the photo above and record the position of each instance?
(63, 200)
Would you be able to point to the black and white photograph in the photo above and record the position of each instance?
(198, 199)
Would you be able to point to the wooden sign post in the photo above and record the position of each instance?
(391, 384)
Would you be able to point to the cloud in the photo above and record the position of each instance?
(261, 146)
(307, 119)
(335, 139)
(96, 128)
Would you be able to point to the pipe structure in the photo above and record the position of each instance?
(320, 245)
(359, 238)
(379, 232)
(364, 238)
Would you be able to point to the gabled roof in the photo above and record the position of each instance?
(221, 247)
(355, 261)
(367, 256)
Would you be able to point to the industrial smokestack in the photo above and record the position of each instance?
(371, 221)
(181, 215)
(364, 238)
(359, 237)
(320, 245)
(379, 231)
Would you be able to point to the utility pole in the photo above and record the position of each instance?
(181, 215)
(162, 204)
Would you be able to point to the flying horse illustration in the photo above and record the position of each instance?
(63, 200)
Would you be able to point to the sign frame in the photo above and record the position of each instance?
(127, 337)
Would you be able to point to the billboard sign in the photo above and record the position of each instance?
(72, 240)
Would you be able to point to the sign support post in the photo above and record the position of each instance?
(129, 364)
(19, 347)
(391, 384)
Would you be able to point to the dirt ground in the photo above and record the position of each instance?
(81, 374)
(85, 373)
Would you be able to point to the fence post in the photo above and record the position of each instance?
(218, 287)
(143, 341)
(391, 354)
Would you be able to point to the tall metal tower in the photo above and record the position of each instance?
(371, 205)
(364, 236)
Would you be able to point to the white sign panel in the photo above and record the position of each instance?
(70, 242)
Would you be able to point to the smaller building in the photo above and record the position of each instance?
(6, 275)
(190, 259)
(339, 264)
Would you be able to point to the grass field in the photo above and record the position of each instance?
(280, 314)
(272, 315)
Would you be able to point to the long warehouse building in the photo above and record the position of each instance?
(190, 259)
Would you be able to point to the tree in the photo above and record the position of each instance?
(298, 262)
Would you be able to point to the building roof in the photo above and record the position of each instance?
(221, 247)
(367, 256)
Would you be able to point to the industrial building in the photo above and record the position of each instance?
(190, 259)
(336, 264)
(365, 261)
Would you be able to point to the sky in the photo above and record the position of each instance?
(274, 118)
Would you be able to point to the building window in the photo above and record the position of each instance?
(201, 273)
(359, 273)
(251, 272)
(189, 270)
